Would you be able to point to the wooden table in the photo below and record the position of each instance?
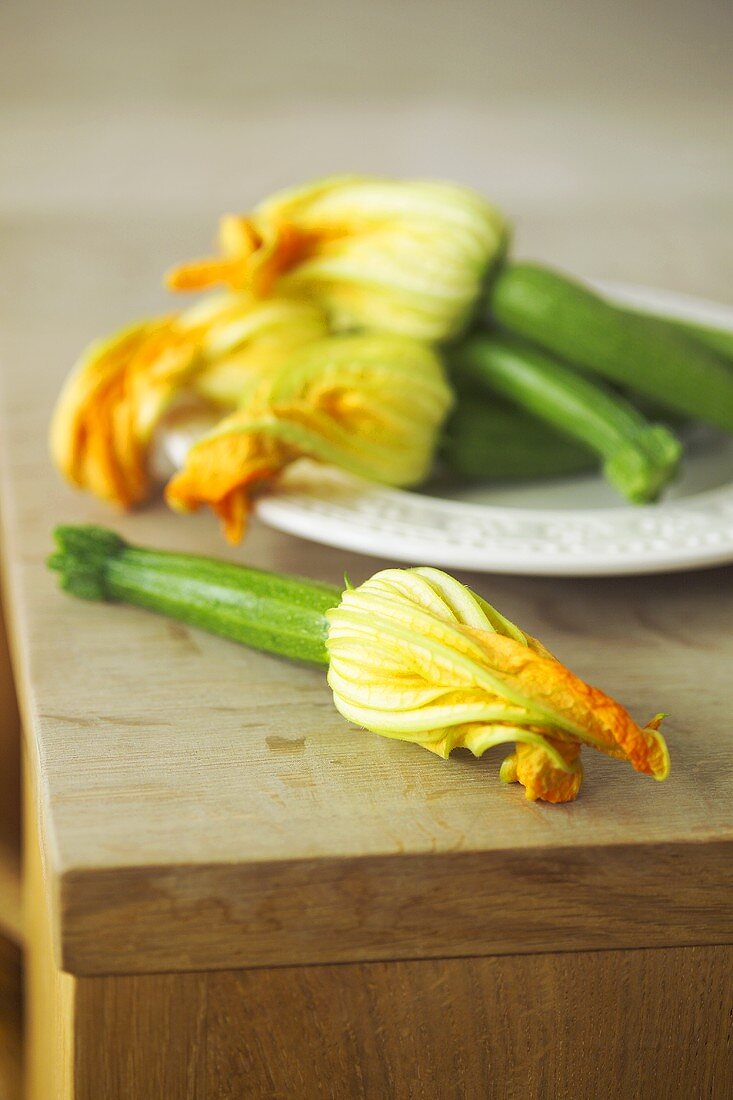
(230, 892)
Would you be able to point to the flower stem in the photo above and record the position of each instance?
(267, 611)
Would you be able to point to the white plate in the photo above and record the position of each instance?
(570, 526)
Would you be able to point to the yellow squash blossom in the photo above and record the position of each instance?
(252, 343)
(111, 404)
(416, 655)
(406, 257)
(371, 404)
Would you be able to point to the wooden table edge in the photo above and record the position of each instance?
(305, 912)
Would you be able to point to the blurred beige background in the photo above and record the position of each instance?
(602, 126)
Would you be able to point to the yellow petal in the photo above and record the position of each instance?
(225, 471)
(370, 404)
(535, 769)
(408, 257)
(417, 656)
(112, 403)
(254, 344)
(103, 421)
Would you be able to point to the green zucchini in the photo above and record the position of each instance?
(487, 438)
(641, 352)
(268, 611)
(639, 458)
(719, 340)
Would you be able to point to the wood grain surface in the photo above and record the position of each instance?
(215, 795)
(10, 903)
(49, 1014)
(424, 906)
(11, 907)
(11, 1060)
(9, 745)
(588, 1025)
(629, 1025)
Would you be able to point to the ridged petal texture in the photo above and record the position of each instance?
(371, 404)
(416, 655)
(123, 386)
(405, 257)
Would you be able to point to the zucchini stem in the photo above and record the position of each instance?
(272, 612)
(639, 458)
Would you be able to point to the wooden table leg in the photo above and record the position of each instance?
(111, 1037)
(10, 1020)
(49, 993)
(10, 908)
(11, 930)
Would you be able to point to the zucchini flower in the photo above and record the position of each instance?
(411, 654)
(417, 656)
(405, 257)
(122, 387)
(371, 404)
(249, 346)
